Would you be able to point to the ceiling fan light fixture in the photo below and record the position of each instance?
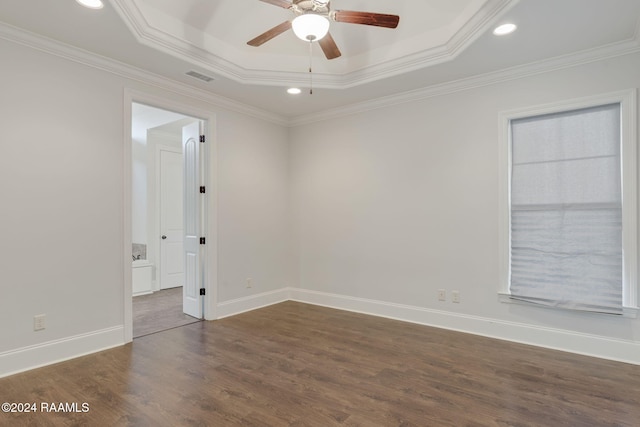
(91, 4)
(310, 27)
(294, 91)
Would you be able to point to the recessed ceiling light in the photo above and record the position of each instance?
(91, 4)
(293, 91)
(504, 29)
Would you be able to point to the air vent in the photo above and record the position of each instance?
(199, 76)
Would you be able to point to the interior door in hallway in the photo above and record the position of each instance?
(194, 270)
(171, 219)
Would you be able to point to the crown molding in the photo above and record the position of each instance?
(156, 38)
(38, 42)
(626, 47)
(71, 53)
(470, 32)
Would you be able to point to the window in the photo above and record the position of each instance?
(569, 206)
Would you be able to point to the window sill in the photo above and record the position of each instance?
(628, 312)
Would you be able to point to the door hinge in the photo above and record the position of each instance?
(202, 291)
(202, 190)
(202, 241)
(202, 138)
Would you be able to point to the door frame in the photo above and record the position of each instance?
(210, 206)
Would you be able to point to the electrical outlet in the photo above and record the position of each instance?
(38, 322)
(249, 283)
(455, 296)
(442, 295)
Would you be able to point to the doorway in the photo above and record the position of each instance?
(166, 212)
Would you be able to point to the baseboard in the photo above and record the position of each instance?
(556, 339)
(48, 353)
(252, 302)
(26, 358)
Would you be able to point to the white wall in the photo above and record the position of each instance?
(61, 179)
(253, 197)
(139, 205)
(62, 191)
(395, 203)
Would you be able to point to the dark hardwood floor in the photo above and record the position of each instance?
(294, 364)
(159, 311)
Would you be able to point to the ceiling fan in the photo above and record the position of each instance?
(311, 23)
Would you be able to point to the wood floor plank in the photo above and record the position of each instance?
(295, 364)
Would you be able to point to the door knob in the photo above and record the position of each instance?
(164, 237)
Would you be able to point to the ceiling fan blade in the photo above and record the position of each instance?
(281, 3)
(269, 34)
(366, 18)
(329, 47)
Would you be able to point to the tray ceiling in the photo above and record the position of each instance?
(216, 32)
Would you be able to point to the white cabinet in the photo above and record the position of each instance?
(141, 277)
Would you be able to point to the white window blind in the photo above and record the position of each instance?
(566, 210)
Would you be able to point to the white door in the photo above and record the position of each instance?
(193, 275)
(171, 219)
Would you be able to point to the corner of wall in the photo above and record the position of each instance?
(252, 302)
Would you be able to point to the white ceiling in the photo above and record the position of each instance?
(437, 41)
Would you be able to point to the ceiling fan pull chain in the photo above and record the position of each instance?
(310, 63)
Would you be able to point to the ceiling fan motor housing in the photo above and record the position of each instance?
(318, 7)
